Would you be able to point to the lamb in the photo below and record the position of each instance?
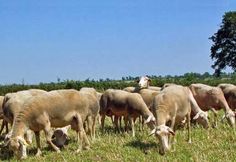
(57, 108)
(122, 103)
(171, 106)
(209, 97)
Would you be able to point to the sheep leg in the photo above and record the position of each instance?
(215, 117)
(2, 127)
(120, 118)
(99, 119)
(132, 125)
(189, 127)
(113, 119)
(84, 142)
(94, 127)
(126, 123)
(102, 122)
(6, 123)
(90, 121)
(48, 135)
(172, 126)
(37, 137)
(116, 120)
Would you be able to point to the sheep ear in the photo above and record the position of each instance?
(152, 132)
(223, 117)
(150, 118)
(171, 131)
(196, 116)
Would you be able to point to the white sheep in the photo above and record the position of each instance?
(170, 108)
(57, 108)
(122, 103)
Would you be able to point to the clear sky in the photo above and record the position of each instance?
(42, 40)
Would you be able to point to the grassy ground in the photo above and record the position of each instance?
(111, 146)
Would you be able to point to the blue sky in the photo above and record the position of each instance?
(41, 41)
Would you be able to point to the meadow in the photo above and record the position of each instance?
(214, 144)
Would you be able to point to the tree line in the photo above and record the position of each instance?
(103, 84)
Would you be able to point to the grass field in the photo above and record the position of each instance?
(111, 146)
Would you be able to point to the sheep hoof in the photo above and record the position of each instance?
(58, 151)
(39, 153)
(86, 148)
(78, 151)
(23, 158)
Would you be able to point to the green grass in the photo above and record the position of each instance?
(213, 145)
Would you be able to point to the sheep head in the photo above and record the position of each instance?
(144, 82)
(162, 133)
(18, 146)
(230, 116)
(202, 118)
(60, 137)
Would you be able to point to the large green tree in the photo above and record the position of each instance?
(223, 50)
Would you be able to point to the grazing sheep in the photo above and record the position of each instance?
(171, 106)
(229, 91)
(57, 108)
(196, 112)
(147, 95)
(60, 136)
(212, 98)
(13, 103)
(122, 103)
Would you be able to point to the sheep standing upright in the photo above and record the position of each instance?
(122, 103)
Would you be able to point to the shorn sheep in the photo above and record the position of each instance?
(57, 108)
(170, 108)
(122, 103)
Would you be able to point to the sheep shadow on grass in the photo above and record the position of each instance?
(145, 147)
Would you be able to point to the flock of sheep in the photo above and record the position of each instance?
(162, 109)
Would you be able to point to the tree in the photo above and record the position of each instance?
(223, 50)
